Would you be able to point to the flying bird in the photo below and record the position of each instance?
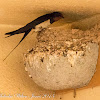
(38, 25)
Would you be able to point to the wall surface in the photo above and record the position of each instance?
(14, 81)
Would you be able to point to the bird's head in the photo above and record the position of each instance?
(56, 16)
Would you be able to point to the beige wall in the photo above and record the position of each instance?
(81, 14)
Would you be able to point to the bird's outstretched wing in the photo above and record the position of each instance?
(26, 33)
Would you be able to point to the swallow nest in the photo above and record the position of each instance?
(62, 58)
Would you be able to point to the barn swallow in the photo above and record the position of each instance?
(38, 25)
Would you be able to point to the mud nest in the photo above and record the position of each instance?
(59, 41)
(62, 58)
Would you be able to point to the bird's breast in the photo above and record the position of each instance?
(42, 25)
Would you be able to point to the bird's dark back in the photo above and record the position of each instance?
(38, 21)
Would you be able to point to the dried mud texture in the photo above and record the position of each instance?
(62, 58)
(59, 41)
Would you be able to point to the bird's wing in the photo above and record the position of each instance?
(29, 25)
(21, 30)
(26, 33)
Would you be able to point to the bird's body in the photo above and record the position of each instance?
(31, 25)
(38, 24)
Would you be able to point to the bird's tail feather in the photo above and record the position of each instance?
(26, 33)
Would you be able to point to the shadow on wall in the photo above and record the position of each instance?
(81, 21)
